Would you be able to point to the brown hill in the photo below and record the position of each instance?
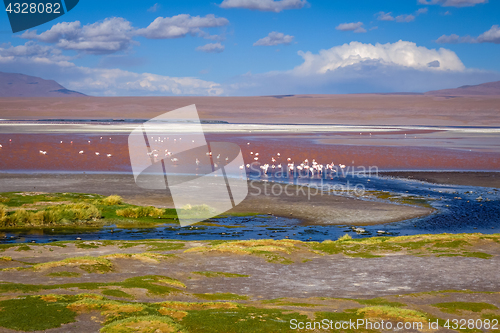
(20, 85)
(485, 89)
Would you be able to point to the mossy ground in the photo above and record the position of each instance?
(53, 310)
(131, 304)
(20, 210)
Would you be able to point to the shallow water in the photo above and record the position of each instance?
(451, 216)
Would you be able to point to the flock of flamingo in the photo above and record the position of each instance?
(277, 162)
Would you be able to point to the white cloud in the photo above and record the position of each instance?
(364, 68)
(47, 62)
(454, 39)
(211, 48)
(405, 18)
(265, 5)
(490, 36)
(274, 38)
(453, 3)
(354, 26)
(181, 25)
(154, 8)
(120, 82)
(104, 37)
(32, 50)
(383, 16)
(401, 53)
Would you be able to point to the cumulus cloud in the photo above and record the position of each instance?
(104, 37)
(453, 3)
(47, 62)
(32, 50)
(454, 39)
(154, 8)
(211, 48)
(402, 53)
(490, 36)
(405, 18)
(265, 5)
(355, 26)
(358, 68)
(383, 16)
(181, 25)
(274, 38)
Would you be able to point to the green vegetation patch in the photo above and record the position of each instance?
(144, 324)
(458, 307)
(242, 319)
(439, 245)
(154, 284)
(87, 263)
(270, 249)
(222, 296)
(393, 313)
(31, 313)
(38, 209)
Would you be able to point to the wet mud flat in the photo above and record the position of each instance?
(483, 179)
(303, 204)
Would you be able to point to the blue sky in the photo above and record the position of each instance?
(260, 47)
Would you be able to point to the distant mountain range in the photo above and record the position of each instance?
(20, 85)
(485, 89)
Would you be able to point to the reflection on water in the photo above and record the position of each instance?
(477, 210)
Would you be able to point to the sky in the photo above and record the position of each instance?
(260, 47)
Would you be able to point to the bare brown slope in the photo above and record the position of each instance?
(20, 85)
(485, 89)
(301, 109)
